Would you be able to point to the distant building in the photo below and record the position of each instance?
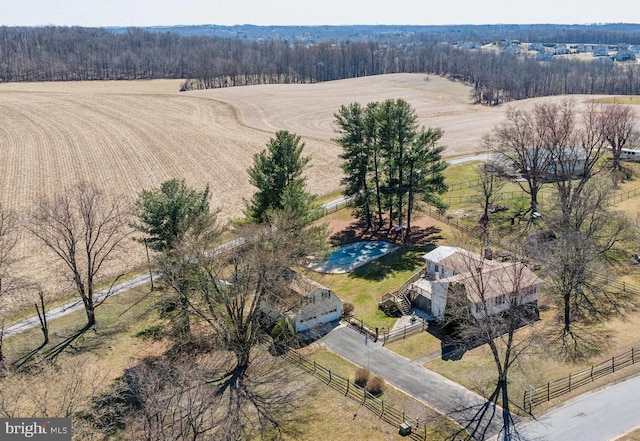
(600, 51)
(560, 49)
(625, 55)
(551, 166)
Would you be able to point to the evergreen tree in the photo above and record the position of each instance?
(165, 214)
(355, 139)
(389, 161)
(277, 174)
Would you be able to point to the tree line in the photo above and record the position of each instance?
(75, 53)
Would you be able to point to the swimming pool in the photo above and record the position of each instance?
(351, 256)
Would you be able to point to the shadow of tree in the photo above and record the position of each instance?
(356, 231)
(26, 358)
(52, 352)
(381, 268)
(75, 342)
(421, 240)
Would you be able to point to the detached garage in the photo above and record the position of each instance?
(305, 303)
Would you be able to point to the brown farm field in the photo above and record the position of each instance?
(126, 136)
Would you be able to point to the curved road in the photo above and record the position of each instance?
(603, 415)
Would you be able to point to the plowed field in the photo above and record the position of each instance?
(125, 136)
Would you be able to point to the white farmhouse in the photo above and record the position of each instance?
(305, 303)
(498, 283)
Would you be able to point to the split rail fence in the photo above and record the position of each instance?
(554, 389)
(385, 412)
(384, 334)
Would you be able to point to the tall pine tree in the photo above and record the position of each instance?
(390, 163)
(277, 174)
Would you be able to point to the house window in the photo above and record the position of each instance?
(326, 294)
(478, 307)
(501, 299)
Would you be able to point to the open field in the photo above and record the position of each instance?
(126, 136)
(308, 109)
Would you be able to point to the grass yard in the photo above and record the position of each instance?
(113, 341)
(101, 356)
(416, 346)
(476, 369)
(365, 286)
(438, 427)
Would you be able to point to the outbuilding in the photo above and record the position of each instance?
(307, 304)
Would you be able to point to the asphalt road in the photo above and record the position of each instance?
(599, 416)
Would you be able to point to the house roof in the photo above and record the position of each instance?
(441, 253)
(289, 297)
(458, 259)
(493, 280)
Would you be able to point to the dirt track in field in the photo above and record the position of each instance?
(126, 136)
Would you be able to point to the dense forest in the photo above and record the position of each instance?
(302, 56)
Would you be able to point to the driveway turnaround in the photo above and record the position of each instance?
(446, 396)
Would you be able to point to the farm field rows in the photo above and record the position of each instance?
(128, 135)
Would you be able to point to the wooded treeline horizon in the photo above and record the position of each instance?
(76, 53)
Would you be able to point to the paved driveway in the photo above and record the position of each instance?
(442, 394)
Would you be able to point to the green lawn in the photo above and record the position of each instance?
(415, 346)
(365, 286)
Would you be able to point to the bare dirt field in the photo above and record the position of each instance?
(126, 136)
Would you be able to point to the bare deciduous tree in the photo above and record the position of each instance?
(519, 147)
(85, 228)
(42, 317)
(619, 126)
(226, 289)
(182, 399)
(588, 234)
(29, 394)
(489, 192)
(489, 305)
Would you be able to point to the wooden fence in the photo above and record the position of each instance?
(385, 334)
(434, 213)
(333, 207)
(540, 394)
(617, 198)
(385, 412)
(463, 185)
(554, 389)
(420, 325)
